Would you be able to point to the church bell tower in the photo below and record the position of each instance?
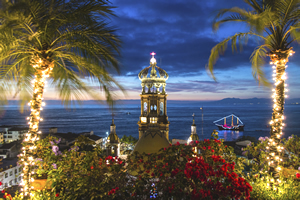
(153, 99)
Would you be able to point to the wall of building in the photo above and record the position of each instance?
(10, 177)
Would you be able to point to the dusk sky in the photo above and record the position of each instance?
(180, 32)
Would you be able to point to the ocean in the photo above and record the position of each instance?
(97, 118)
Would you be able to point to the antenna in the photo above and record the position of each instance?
(202, 121)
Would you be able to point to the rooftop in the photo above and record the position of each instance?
(94, 137)
(19, 129)
(8, 145)
(9, 161)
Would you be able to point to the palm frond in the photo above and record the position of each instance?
(258, 60)
(256, 21)
(221, 47)
(295, 32)
(73, 34)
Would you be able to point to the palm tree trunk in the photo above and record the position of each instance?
(279, 58)
(43, 70)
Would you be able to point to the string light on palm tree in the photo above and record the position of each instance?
(279, 59)
(65, 41)
(275, 25)
(43, 69)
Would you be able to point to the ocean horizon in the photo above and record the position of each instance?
(97, 118)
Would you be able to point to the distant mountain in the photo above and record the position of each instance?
(244, 101)
(255, 101)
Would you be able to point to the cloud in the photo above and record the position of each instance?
(180, 32)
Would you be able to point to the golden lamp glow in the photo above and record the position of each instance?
(43, 69)
(279, 59)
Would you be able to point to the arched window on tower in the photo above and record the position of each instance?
(145, 107)
(161, 108)
(155, 107)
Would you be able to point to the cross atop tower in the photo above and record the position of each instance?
(152, 60)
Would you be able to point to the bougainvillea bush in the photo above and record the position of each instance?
(202, 170)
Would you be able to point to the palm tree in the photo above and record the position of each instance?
(70, 42)
(275, 24)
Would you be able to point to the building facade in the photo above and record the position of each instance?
(153, 99)
(10, 173)
(153, 122)
(13, 133)
(113, 141)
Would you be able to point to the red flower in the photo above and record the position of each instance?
(0, 183)
(298, 175)
(225, 146)
(92, 167)
(204, 148)
(212, 150)
(120, 162)
(3, 191)
(208, 147)
(57, 195)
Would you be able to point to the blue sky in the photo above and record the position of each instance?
(180, 32)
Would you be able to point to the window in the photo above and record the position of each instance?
(20, 169)
(6, 175)
(16, 171)
(155, 107)
(20, 178)
(11, 173)
(113, 150)
(16, 180)
(144, 119)
(145, 107)
(10, 182)
(9, 136)
(5, 185)
(153, 120)
(151, 107)
(161, 108)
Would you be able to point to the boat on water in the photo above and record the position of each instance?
(222, 123)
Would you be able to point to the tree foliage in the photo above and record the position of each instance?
(274, 24)
(75, 35)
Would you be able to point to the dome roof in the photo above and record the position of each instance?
(144, 74)
(153, 75)
(113, 138)
(194, 137)
(151, 141)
